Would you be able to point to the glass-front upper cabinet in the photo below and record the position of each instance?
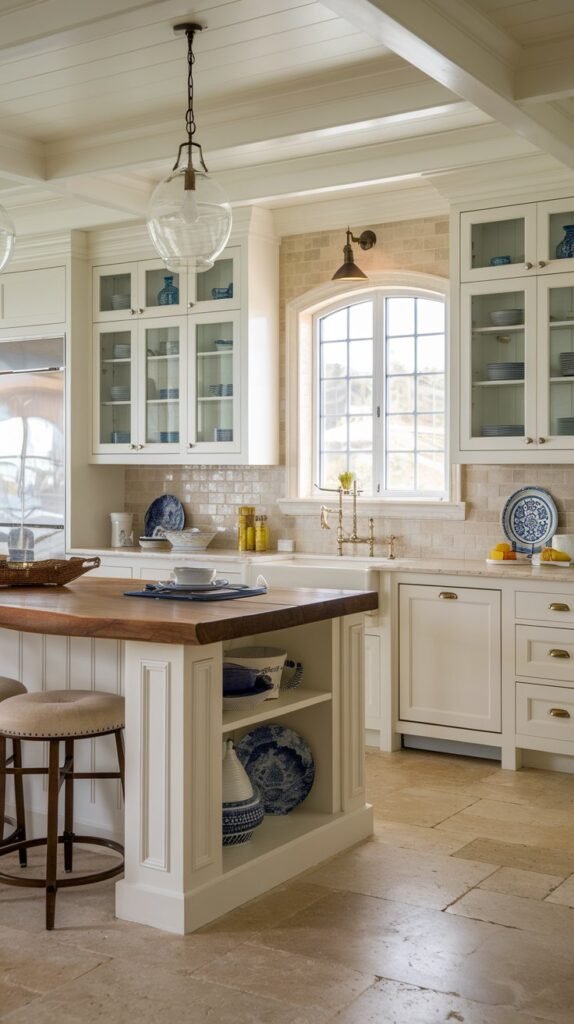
(213, 400)
(555, 236)
(127, 291)
(161, 399)
(498, 365)
(498, 243)
(217, 289)
(556, 361)
(115, 371)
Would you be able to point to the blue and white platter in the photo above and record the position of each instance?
(530, 519)
(280, 763)
(164, 513)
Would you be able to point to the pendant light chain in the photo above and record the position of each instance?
(189, 116)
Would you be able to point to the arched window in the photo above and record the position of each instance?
(380, 393)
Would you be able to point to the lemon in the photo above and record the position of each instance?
(502, 547)
(496, 555)
(559, 556)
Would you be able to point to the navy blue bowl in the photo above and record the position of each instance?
(238, 678)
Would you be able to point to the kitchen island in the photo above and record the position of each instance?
(169, 656)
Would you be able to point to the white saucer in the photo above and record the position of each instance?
(194, 587)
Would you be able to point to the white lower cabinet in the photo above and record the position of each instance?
(373, 691)
(450, 657)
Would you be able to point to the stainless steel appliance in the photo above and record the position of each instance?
(32, 447)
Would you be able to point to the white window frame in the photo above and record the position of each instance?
(301, 402)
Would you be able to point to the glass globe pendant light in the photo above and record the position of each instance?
(189, 218)
(7, 236)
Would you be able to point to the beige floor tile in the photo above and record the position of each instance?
(390, 1002)
(538, 916)
(290, 978)
(120, 992)
(486, 826)
(12, 997)
(417, 837)
(481, 962)
(42, 965)
(529, 858)
(267, 910)
(420, 806)
(515, 882)
(409, 876)
(564, 893)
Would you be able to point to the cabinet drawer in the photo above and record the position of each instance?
(545, 653)
(547, 607)
(544, 711)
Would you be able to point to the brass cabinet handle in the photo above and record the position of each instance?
(559, 713)
(541, 440)
(556, 652)
(541, 263)
(528, 440)
(528, 266)
(558, 606)
(448, 595)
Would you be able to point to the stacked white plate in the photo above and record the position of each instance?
(505, 371)
(565, 425)
(506, 317)
(119, 393)
(503, 430)
(567, 364)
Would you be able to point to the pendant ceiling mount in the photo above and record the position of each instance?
(189, 219)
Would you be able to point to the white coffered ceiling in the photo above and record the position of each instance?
(397, 104)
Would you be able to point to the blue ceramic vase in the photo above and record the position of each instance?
(565, 248)
(169, 294)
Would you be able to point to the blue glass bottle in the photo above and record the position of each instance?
(565, 248)
(169, 294)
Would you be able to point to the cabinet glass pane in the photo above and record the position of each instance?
(561, 361)
(161, 288)
(557, 222)
(162, 404)
(216, 283)
(497, 243)
(115, 387)
(498, 365)
(115, 292)
(215, 383)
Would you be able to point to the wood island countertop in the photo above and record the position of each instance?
(98, 608)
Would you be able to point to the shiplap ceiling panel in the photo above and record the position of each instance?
(293, 97)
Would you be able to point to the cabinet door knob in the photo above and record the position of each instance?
(559, 713)
(557, 652)
(141, 310)
(528, 440)
(133, 312)
(541, 440)
(133, 446)
(541, 263)
(528, 266)
(558, 606)
(139, 447)
(190, 444)
(448, 595)
(190, 305)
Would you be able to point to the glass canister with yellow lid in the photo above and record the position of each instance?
(246, 528)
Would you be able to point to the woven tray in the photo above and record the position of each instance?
(54, 572)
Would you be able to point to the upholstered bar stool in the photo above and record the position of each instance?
(54, 717)
(11, 688)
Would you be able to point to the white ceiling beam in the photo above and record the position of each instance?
(21, 159)
(452, 43)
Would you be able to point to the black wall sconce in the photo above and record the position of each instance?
(349, 271)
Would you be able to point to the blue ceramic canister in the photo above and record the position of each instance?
(565, 248)
(169, 294)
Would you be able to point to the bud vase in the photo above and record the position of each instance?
(565, 248)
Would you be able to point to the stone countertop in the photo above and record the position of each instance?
(465, 567)
(207, 554)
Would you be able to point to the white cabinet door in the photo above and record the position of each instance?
(449, 651)
(33, 297)
(498, 243)
(553, 217)
(555, 338)
(373, 694)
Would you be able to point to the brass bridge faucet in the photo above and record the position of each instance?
(342, 537)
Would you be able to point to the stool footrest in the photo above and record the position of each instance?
(40, 883)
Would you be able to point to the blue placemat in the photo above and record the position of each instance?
(219, 595)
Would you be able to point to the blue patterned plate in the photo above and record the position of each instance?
(530, 519)
(279, 762)
(165, 512)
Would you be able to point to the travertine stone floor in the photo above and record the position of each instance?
(461, 908)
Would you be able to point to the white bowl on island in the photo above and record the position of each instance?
(192, 539)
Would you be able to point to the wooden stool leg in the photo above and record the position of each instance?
(52, 833)
(69, 807)
(2, 784)
(19, 794)
(121, 758)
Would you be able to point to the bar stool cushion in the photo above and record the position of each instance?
(10, 687)
(60, 713)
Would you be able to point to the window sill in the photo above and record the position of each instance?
(379, 508)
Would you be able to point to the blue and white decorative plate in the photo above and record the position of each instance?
(530, 519)
(165, 512)
(279, 762)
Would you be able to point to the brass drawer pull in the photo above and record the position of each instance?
(558, 606)
(559, 713)
(447, 595)
(556, 652)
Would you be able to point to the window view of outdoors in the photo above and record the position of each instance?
(382, 395)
